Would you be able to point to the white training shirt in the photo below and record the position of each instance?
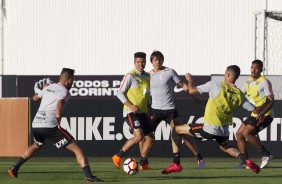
(162, 84)
(46, 114)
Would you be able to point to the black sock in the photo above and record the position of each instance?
(176, 158)
(263, 151)
(199, 156)
(120, 153)
(87, 171)
(143, 161)
(20, 162)
(243, 157)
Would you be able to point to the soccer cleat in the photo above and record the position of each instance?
(254, 167)
(13, 172)
(265, 160)
(172, 168)
(201, 164)
(242, 166)
(93, 179)
(145, 167)
(116, 160)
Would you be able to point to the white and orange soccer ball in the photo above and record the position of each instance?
(130, 166)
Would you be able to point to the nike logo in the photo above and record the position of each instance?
(177, 90)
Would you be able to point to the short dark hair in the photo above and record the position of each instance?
(140, 55)
(67, 72)
(258, 62)
(158, 55)
(235, 70)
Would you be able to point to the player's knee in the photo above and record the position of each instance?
(179, 129)
(246, 134)
(239, 135)
(138, 138)
(151, 138)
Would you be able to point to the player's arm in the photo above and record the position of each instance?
(39, 87)
(38, 94)
(35, 97)
(249, 106)
(149, 105)
(267, 88)
(191, 88)
(268, 104)
(60, 105)
(125, 85)
(186, 88)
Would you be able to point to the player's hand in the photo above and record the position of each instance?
(38, 86)
(188, 77)
(133, 108)
(260, 117)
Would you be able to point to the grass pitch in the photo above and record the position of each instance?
(66, 171)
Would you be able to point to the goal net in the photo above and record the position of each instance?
(268, 40)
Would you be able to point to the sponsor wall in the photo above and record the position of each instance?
(94, 117)
(92, 87)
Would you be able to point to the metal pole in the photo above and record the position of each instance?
(263, 42)
(255, 56)
(3, 15)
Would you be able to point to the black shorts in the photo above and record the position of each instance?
(259, 125)
(60, 137)
(197, 131)
(139, 121)
(164, 115)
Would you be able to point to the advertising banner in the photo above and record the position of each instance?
(99, 128)
(92, 87)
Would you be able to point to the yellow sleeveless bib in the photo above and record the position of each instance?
(253, 94)
(139, 96)
(219, 111)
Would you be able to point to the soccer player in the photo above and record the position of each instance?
(224, 98)
(258, 90)
(46, 125)
(163, 80)
(134, 94)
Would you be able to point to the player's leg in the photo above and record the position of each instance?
(149, 127)
(147, 141)
(80, 157)
(83, 162)
(175, 166)
(241, 140)
(63, 139)
(134, 123)
(27, 154)
(251, 134)
(225, 147)
(249, 131)
(137, 137)
(183, 130)
(145, 151)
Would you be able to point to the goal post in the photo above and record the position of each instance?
(268, 40)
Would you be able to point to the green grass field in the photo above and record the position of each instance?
(66, 171)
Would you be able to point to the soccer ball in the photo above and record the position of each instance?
(130, 166)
